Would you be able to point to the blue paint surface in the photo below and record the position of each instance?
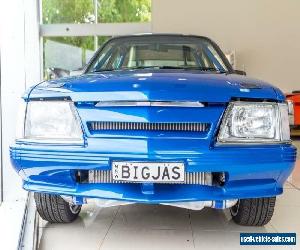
(251, 170)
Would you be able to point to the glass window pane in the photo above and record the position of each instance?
(120, 11)
(68, 55)
(65, 54)
(68, 11)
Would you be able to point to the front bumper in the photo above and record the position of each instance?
(251, 171)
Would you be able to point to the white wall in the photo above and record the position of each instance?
(264, 33)
(20, 68)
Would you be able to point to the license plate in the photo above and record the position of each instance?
(159, 172)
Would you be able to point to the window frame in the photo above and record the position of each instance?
(92, 29)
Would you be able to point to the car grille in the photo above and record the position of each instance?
(105, 176)
(144, 126)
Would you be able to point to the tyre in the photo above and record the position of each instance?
(253, 212)
(55, 209)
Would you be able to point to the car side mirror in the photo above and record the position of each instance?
(77, 72)
(240, 72)
(54, 73)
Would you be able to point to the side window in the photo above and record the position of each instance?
(215, 58)
(111, 60)
(103, 59)
(205, 61)
(117, 58)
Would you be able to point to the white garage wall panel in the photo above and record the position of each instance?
(12, 81)
(264, 33)
(32, 43)
(20, 68)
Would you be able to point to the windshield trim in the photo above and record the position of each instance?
(229, 70)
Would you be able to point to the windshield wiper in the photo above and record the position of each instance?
(212, 69)
(126, 68)
(203, 69)
(174, 67)
(164, 67)
(102, 70)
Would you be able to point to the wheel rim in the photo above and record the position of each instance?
(74, 208)
(235, 209)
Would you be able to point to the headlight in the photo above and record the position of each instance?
(52, 121)
(255, 122)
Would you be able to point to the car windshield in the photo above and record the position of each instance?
(159, 52)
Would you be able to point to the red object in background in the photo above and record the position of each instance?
(295, 98)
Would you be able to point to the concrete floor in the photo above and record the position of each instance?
(163, 227)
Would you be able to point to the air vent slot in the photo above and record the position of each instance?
(144, 126)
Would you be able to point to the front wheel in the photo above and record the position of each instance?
(55, 209)
(253, 212)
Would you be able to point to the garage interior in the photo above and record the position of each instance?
(41, 40)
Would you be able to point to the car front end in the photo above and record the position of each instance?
(155, 136)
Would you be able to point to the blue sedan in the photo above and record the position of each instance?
(156, 119)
